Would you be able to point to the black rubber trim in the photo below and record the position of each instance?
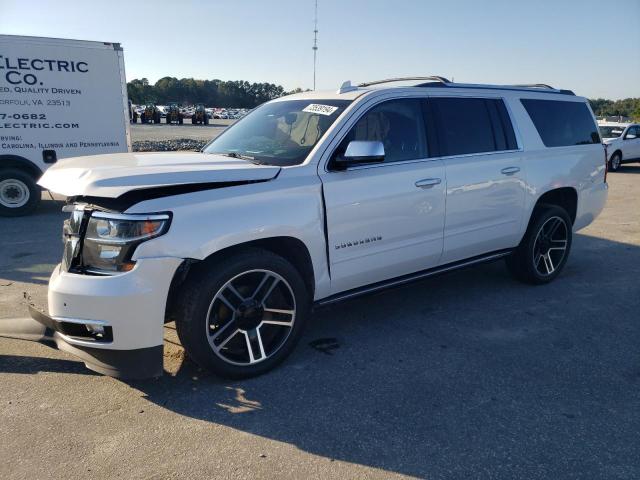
(125, 364)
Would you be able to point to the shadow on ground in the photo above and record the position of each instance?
(450, 377)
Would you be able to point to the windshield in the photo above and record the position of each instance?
(611, 132)
(280, 133)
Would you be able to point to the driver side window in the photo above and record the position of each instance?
(398, 124)
(632, 133)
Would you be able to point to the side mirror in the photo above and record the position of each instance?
(361, 152)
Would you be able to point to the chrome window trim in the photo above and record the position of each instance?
(384, 98)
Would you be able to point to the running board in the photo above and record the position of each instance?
(398, 281)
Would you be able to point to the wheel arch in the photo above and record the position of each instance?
(292, 249)
(16, 161)
(617, 150)
(563, 197)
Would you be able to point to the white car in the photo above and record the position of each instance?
(622, 141)
(310, 199)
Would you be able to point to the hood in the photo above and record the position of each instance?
(608, 141)
(113, 175)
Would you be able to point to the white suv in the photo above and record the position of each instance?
(310, 199)
(622, 141)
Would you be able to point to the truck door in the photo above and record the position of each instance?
(385, 220)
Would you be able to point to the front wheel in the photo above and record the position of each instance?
(241, 316)
(544, 250)
(615, 162)
(19, 194)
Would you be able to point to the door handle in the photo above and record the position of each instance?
(428, 182)
(510, 170)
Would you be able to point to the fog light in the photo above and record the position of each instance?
(97, 330)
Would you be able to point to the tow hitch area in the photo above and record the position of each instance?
(124, 364)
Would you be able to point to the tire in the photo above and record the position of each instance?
(19, 194)
(180, 121)
(217, 336)
(539, 259)
(206, 120)
(615, 162)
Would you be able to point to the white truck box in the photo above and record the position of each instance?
(58, 99)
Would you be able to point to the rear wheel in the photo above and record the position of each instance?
(615, 162)
(544, 250)
(19, 194)
(241, 316)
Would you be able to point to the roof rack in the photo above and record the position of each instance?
(433, 78)
(437, 81)
(535, 85)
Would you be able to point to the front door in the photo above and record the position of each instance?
(385, 220)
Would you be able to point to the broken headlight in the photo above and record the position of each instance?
(111, 239)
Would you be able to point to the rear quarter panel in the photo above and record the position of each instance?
(581, 167)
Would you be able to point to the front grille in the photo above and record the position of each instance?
(72, 232)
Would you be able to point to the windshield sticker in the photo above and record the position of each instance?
(321, 109)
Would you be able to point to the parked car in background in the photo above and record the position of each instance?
(314, 198)
(622, 141)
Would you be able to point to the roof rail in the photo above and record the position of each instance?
(535, 85)
(399, 79)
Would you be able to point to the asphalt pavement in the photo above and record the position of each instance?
(468, 375)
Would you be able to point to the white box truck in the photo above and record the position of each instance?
(58, 98)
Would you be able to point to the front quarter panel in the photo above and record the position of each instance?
(208, 221)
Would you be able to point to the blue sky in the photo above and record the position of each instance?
(589, 46)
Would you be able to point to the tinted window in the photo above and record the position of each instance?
(562, 124)
(464, 125)
(398, 125)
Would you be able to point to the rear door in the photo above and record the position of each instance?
(485, 184)
(385, 220)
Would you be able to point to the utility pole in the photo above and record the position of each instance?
(315, 45)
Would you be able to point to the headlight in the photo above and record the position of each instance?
(111, 239)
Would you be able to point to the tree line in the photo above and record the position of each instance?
(243, 94)
(628, 107)
(187, 91)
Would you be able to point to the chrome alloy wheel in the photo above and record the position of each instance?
(251, 317)
(14, 193)
(550, 246)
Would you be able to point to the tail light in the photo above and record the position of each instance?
(606, 164)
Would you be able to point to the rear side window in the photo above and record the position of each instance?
(472, 125)
(561, 124)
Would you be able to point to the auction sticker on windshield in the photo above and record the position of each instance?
(321, 109)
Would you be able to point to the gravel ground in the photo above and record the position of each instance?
(164, 138)
(469, 375)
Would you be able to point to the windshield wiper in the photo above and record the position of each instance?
(240, 156)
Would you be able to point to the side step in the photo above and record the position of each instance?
(398, 281)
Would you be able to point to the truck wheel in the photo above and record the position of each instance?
(206, 120)
(615, 162)
(19, 194)
(180, 121)
(241, 316)
(544, 250)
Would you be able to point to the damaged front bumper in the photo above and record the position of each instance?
(114, 324)
(125, 364)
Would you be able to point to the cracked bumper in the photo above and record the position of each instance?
(128, 309)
